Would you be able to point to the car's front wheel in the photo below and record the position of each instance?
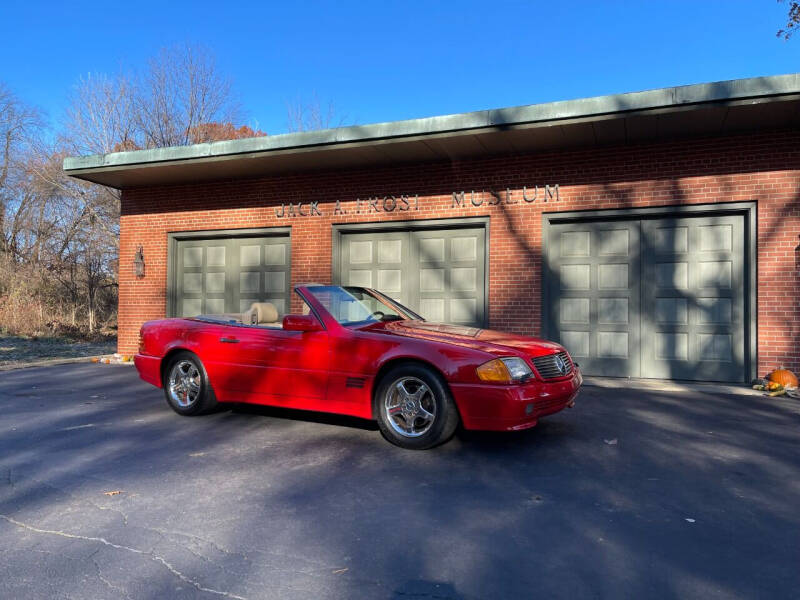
(414, 408)
(186, 385)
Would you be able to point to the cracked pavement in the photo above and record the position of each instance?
(698, 498)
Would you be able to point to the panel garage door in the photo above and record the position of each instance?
(659, 298)
(226, 275)
(439, 273)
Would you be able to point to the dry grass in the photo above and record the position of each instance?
(19, 350)
(34, 304)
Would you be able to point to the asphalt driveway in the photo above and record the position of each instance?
(631, 494)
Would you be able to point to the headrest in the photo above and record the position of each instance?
(263, 312)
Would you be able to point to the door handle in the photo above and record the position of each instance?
(226, 340)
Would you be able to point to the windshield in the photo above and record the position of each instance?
(358, 306)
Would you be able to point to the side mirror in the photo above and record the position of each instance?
(301, 323)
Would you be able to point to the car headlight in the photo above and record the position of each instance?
(517, 368)
(504, 370)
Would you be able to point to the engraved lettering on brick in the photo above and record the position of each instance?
(525, 193)
(389, 203)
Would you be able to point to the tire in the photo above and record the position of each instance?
(414, 408)
(186, 385)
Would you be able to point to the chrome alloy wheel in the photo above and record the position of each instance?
(410, 406)
(184, 383)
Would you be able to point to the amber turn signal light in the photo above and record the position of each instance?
(494, 371)
(511, 369)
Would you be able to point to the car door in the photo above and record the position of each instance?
(273, 366)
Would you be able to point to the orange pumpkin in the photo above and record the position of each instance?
(785, 377)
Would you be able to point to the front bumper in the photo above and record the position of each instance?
(511, 407)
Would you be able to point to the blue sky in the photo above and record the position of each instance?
(383, 61)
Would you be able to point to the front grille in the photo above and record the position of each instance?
(547, 366)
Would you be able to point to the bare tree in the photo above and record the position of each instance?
(180, 98)
(181, 90)
(59, 236)
(17, 123)
(97, 203)
(312, 115)
(100, 116)
(179, 93)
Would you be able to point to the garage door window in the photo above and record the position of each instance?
(439, 273)
(225, 276)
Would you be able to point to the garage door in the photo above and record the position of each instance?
(226, 275)
(658, 298)
(439, 273)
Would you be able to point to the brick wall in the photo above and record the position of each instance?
(764, 168)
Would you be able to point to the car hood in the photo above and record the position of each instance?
(485, 340)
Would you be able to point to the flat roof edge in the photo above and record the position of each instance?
(564, 110)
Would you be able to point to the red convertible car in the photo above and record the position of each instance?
(355, 351)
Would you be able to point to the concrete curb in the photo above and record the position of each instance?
(663, 385)
(56, 361)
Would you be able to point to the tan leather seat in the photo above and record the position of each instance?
(261, 313)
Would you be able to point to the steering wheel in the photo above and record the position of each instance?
(378, 315)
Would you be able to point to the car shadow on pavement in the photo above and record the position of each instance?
(302, 415)
(478, 440)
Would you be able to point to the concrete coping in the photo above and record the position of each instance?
(756, 89)
(667, 385)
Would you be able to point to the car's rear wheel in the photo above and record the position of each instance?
(186, 385)
(414, 407)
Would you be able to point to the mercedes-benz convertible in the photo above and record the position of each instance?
(355, 351)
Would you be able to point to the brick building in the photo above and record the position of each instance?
(655, 234)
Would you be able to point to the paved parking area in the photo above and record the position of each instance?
(632, 494)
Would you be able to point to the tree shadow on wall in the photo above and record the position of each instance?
(608, 164)
(701, 307)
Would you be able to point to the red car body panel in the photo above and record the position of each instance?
(337, 368)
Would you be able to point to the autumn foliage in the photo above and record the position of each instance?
(215, 132)
(202, 133)
(125, 146)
